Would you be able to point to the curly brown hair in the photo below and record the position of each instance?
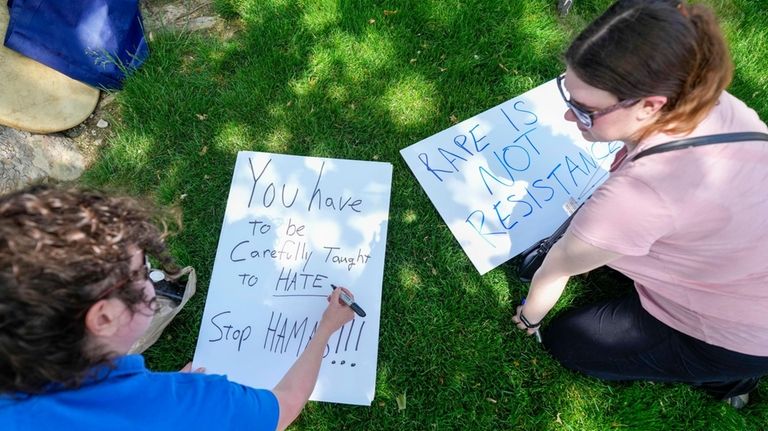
(61, 250)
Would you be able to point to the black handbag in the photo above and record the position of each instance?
(532, 258)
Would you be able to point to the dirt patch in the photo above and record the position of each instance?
(90, 135)
(185, 15)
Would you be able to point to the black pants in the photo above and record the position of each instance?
(618, 340)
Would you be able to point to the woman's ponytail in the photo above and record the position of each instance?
(641, 48)
(710, 73)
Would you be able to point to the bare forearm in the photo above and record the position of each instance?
(546, 287)
(570, 256)
(301, 377)
(297, 385)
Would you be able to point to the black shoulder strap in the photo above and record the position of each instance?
(702, 140)
(672, 146)
(552, 239)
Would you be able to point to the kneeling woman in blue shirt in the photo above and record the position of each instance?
(75, 296)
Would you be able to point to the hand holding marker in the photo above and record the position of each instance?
(352, 304)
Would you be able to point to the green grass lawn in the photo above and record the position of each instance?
(361, 80)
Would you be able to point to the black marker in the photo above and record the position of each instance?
(352, 304)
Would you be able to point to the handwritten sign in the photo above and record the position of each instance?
(294, 225)
(508, 177)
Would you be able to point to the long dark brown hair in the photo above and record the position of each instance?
(62, 249)
(641, 48)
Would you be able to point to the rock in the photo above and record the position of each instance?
(164, 17)
(184, 15)
(75, 131)
(102, 124)
(170, 13)
(17, 169)
(201, 23)
(26, 158)
(106, 100)
(57, 156)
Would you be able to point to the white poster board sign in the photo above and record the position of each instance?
(294, 225)
(508, 177)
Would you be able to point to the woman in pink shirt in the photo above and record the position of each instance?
(688, 227)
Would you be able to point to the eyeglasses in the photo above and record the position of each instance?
(585, 116)
(141, 274)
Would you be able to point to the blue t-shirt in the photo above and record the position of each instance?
(134, 398)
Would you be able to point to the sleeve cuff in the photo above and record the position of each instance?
(615, 248)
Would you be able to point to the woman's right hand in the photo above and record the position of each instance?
(337, 313)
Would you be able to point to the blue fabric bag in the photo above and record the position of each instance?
(93, 41)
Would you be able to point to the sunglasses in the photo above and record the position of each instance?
(585, 116)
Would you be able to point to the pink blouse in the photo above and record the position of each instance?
(692, 226)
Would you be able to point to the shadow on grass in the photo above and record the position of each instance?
(352, 79)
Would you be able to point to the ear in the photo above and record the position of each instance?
(651, 105)
(103, 318)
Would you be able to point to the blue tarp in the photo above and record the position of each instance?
(93, 41)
